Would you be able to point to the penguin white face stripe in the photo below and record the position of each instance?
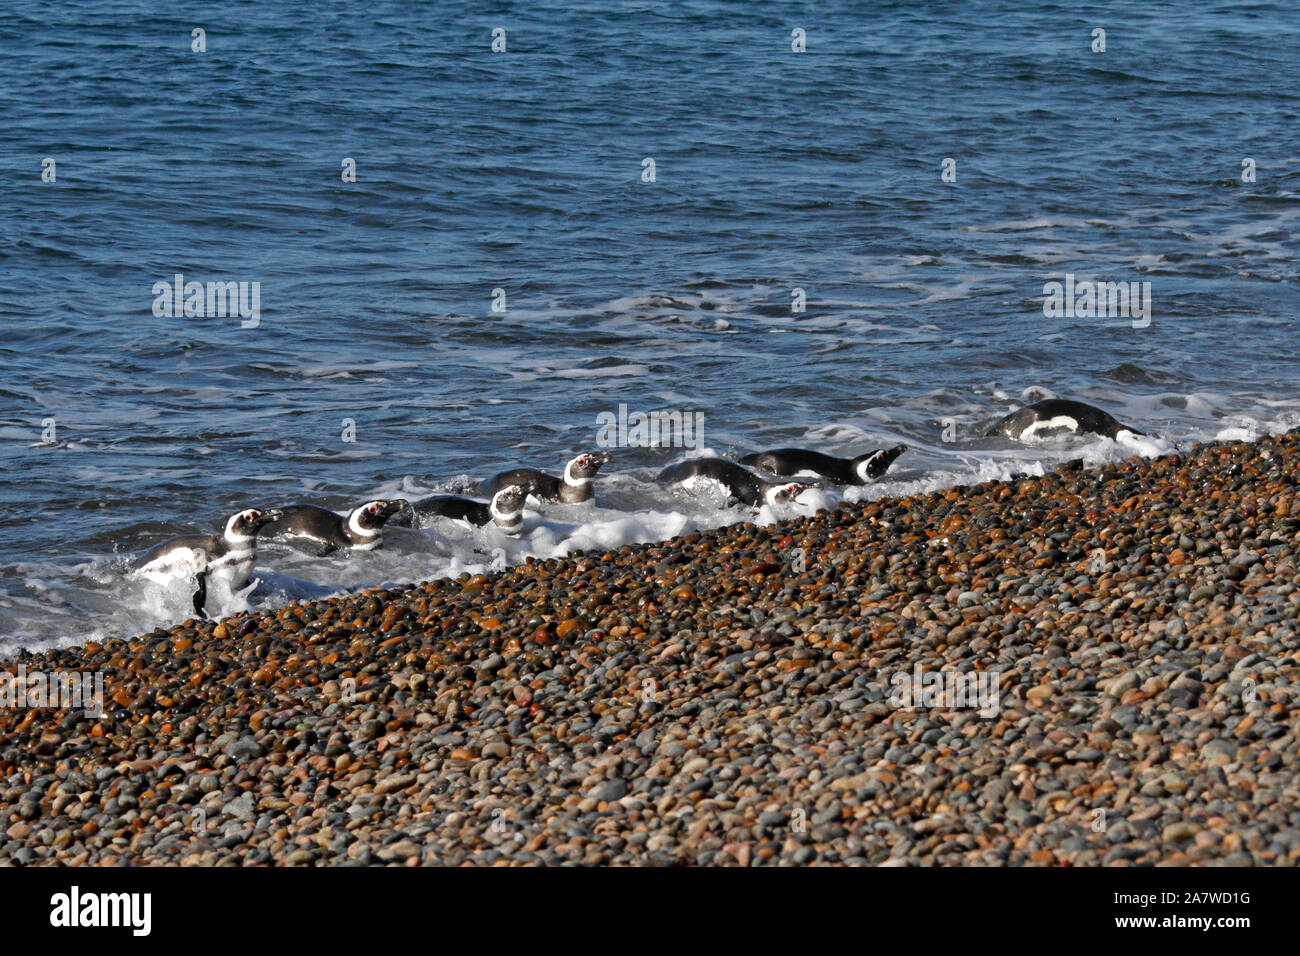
(354, 522)
(865, 466)
(231, 534)
(790, 491)
(570, 479)
(500, 515)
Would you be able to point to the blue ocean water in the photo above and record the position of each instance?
(525, 172)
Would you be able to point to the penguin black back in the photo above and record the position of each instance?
(798, 462)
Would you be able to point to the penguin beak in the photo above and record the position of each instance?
(878, 465)
(513, 495)
(387, 509)
(266, 517)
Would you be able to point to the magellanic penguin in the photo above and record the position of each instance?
(1054, 417)
(361, 530)
(505, 510)
(229, 555)
(573, 488)
(801, 463)
(741, 483)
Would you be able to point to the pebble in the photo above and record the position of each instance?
(702, 701)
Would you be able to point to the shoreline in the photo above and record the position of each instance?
(733, 696)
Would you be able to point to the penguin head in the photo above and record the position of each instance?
(788, 492)
(872, 465)
(507, 508)
(510, 499)
(370, 517)
(243, 525)
(583, 468)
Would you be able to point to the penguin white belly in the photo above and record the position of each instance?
(232, 568)
(177, 563)
(1057, 424)
(704, 484)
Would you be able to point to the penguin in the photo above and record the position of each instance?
(1054, 417)
(230, 555)
(573, 488)
(506, 508)
(799, 463)
(741, 483)
(361, 530)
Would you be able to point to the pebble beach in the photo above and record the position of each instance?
(729, 697)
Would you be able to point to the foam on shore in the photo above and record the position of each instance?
(1116, 644)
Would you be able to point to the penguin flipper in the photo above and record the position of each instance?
(201, 593)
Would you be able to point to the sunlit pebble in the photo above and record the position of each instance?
(704, 700)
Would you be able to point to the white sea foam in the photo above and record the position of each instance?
(98, 599)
